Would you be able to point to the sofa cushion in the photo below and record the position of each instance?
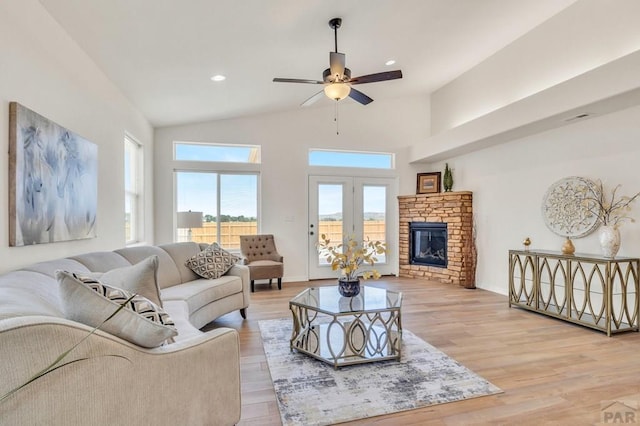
(140, 278)
(212, 262)
(180, 252)
(179, 312)
(50, 267)
(168, 273)
(100, 261)
(26, 293)
(201, 292)
(91, 302)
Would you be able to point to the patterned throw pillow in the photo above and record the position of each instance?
(90, 302)
(212, 262)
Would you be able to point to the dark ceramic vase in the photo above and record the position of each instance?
(349, 288)
(447, 182)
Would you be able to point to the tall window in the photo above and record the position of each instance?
(132, 190)
(220, 206)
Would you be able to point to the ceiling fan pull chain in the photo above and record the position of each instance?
(336, 120)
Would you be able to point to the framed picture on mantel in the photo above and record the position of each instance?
(428, 183)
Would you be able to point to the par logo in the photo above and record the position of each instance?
(619, 413)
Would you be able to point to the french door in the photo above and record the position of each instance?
(341, 206)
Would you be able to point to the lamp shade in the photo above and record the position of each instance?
(337, 91)
(189, 219)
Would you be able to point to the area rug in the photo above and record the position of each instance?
(311, 392)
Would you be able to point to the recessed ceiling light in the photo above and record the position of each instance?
(218, 77)
(390, 62)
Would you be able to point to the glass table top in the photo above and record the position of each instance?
(329, 300)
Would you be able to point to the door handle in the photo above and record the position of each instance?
(311, 233)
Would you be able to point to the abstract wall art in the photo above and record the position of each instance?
(53, 181)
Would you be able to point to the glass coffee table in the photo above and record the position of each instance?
(347, 330)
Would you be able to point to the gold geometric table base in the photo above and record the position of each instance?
(330, 328)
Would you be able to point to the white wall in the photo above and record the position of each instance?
(584, 36)
(389, 126)
(44, 70)
(509, 181)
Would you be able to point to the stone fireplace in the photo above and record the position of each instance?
(429, 221)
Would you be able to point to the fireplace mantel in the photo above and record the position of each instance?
(456, 210)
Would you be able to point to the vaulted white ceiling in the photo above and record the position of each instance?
(162, 53)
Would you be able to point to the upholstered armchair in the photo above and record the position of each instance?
(261, 256)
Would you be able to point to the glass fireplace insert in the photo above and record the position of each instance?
(428, 244)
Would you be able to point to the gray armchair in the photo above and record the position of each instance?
(261, 256)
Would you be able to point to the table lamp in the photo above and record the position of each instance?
(189, 220)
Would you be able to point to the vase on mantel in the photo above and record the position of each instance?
(447, 181)
(609, 236)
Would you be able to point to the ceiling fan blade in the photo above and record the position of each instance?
(336, 64)
(372, 78)
(360, 97)
(313, 99)
(296, 80)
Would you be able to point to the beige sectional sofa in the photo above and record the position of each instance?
(195, 380)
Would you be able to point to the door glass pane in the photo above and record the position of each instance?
(196, 192)
(330, 214)
(374, 215)
(238, 208)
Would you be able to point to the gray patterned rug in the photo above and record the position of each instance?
(311, 392)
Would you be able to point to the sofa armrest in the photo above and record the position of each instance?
(194, 381)
(242, 271)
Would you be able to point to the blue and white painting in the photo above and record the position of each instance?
(53, 180)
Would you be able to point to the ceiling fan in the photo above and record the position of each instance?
(337, 78)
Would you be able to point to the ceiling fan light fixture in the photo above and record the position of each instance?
(337, 91)
(337, 78)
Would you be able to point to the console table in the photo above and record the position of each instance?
(589, 290)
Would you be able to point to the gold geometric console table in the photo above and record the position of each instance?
(589, 290)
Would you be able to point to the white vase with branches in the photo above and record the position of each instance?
(611, 213)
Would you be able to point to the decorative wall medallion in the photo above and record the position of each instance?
(563, 208)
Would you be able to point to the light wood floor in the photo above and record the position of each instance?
(551, 372)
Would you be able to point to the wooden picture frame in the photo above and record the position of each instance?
(428, 183)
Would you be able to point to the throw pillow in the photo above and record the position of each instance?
(90, 302)
(212, 262)
(141, 278)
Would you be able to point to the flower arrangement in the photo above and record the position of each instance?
(610, 212)
(349, 256)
